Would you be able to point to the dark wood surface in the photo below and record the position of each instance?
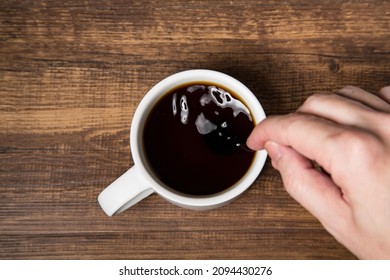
(72, 74)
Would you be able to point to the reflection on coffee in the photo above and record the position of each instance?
(194, 139)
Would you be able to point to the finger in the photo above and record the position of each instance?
(366, 98)
(340, 109)
(313, 137)
(312, 189)
(384, 93)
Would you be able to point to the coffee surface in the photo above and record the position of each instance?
(194, 139)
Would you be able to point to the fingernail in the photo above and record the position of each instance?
(273, 150)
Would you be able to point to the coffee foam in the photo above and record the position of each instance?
(223, 99)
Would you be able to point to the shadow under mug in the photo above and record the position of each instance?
(139, 181)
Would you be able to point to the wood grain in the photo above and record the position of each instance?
(72, 74)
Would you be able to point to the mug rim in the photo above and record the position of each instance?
(142, 112)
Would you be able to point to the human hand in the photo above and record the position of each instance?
(348, 134)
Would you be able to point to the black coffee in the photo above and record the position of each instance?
(194, 139)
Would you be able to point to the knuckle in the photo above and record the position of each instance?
(295, 121)
(362, 149)
(385, 90)
(350, 89)
(298, 118)
(291, 120)
(386, 121)
(313, 100)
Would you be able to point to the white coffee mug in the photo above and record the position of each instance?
(139, 182)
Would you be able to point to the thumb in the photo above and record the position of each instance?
(313, 189)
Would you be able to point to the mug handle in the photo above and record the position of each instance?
(124, 192)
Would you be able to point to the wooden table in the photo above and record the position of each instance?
(72, 74)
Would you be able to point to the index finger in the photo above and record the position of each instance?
(384, 93)
(311, 136)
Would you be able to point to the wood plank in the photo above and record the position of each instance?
(72, 74)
